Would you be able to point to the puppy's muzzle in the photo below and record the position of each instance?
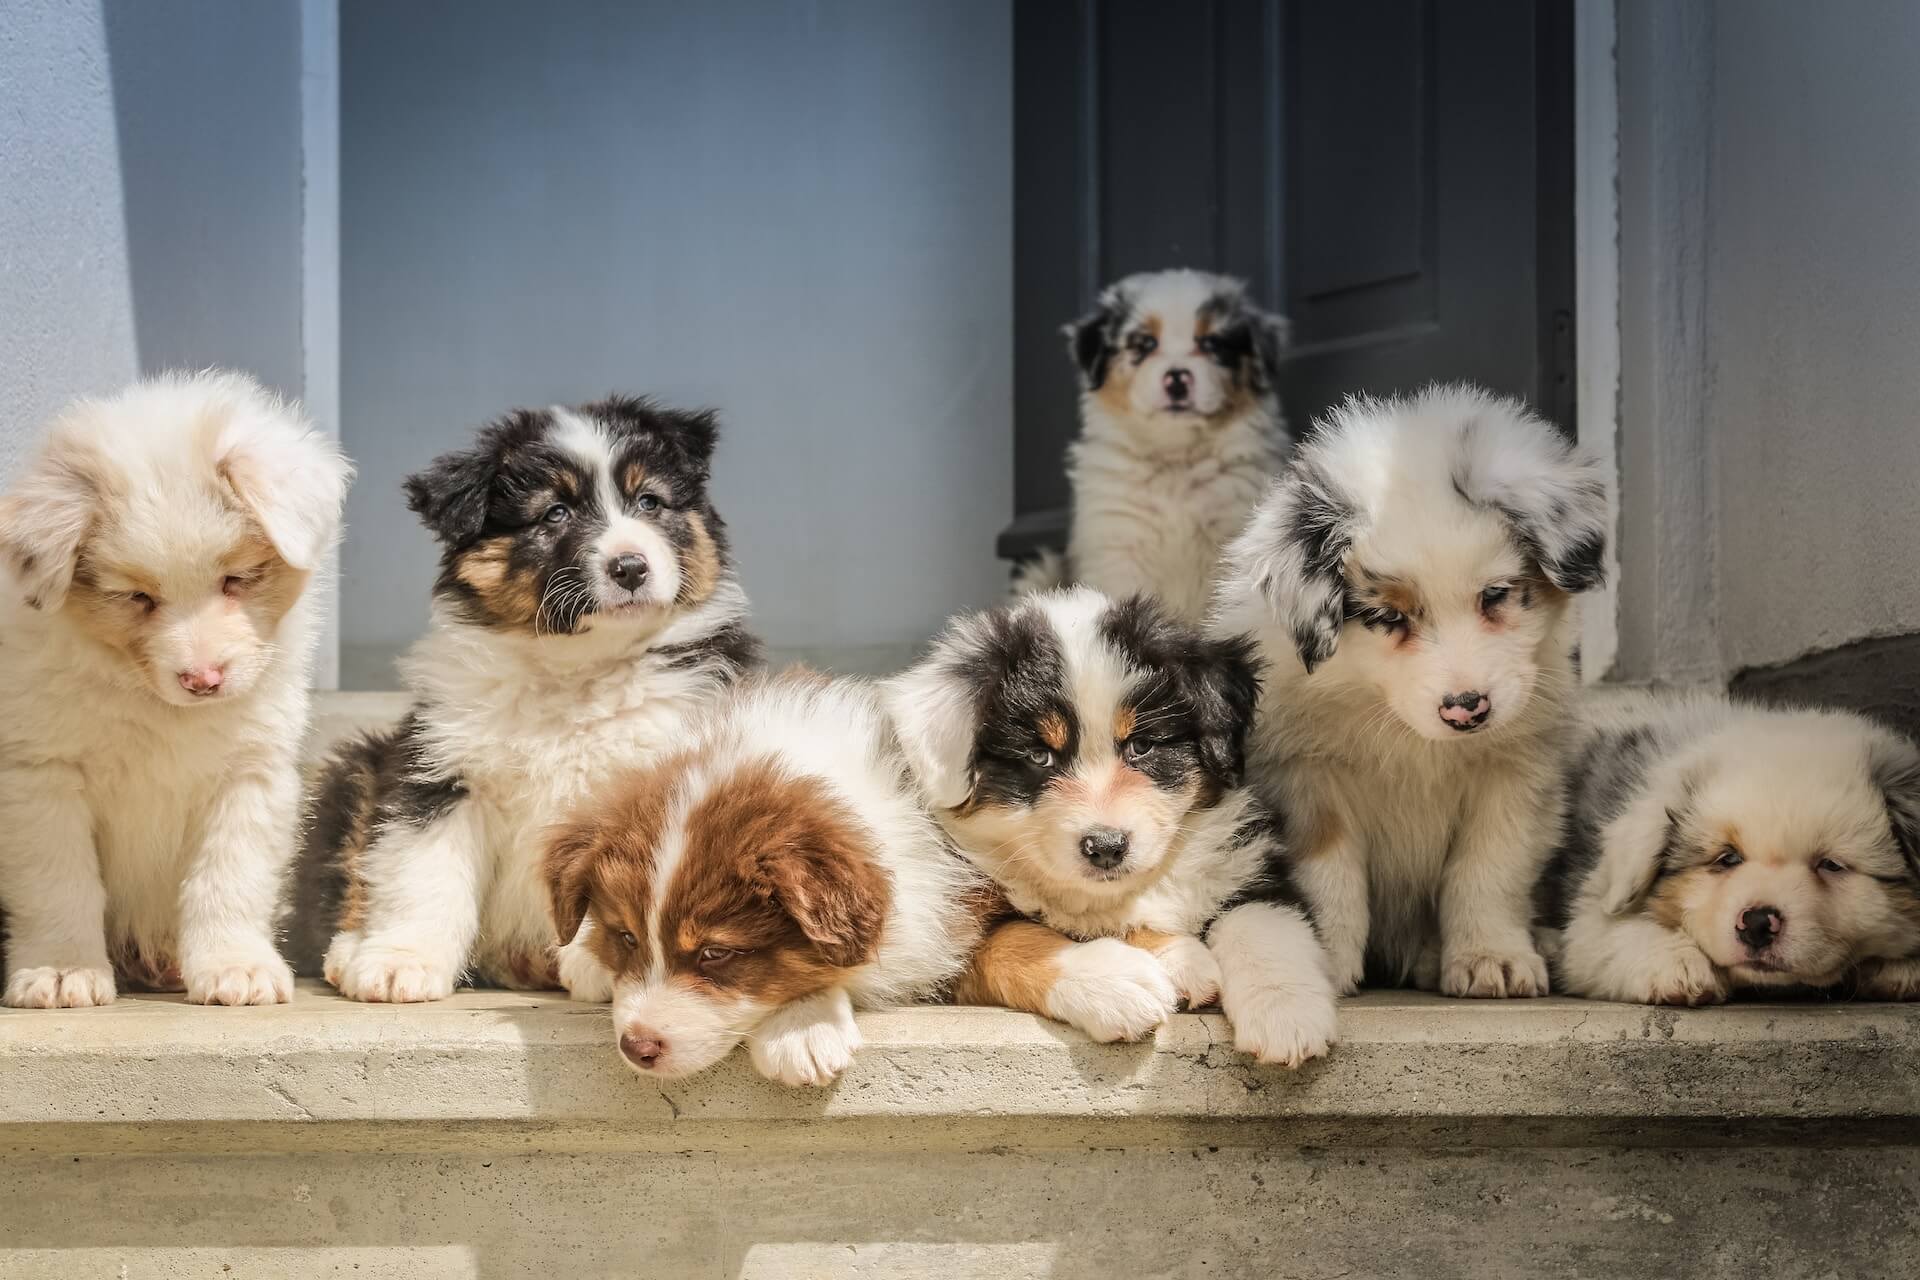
(1465, 712)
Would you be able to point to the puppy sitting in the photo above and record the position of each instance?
(156, 637)
(1409, 579)
(1087, 755)
(1180, 434)
(585, 616)
(1714, 848)
(762, 883)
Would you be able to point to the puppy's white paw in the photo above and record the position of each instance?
(390, 975)
(809, 1042)
(1111, 990)
(582, 974)
(47, 987)
(261, 979)
(1195, 973)
(340, 953)
(1890, 980)
(1682, 975)
(1284, 1026)
(1493, 974)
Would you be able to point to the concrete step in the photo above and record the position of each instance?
(497, 1134)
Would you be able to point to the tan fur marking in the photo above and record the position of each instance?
(1123, 724)
(1052, 728)
(632, 478)
(508, 597)
(700, 568)
(1153, 940)
(1015, 968)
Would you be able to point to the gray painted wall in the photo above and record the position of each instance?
(1770, 311)
(149, 197)
(800, 213)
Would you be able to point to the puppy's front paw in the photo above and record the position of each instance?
(810, 1042)
(1111, 990)
(1890, 980)
(584, 977)
(383, 975)
(240, 980)
(48, 987)
(1493, 975)
(1284, 1026)
(1683, 975)
(1195, 973)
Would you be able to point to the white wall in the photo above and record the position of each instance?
(1770, 312)
(149, 197)
(800, 213)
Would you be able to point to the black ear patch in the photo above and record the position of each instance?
(1215, 683)
(1094, 339)
(452, 494)
(1895, 768)
(692, 433)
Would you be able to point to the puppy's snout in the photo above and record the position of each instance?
(202, 682)
(1466, 711)
(1178, 383)
(627, 571)
(1104, 847)
(643, 1047)
(1759, 927)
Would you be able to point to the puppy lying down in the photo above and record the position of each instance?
(1715, 847)
(761, 883)
(1087, 754)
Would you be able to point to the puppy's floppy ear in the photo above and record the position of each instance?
(571, 850)
(44, 521)
(1894, 765)
(291, 478)
(933, 713)
(699, 432)
(1272, 336)
(1290, 562)
(833, 891)
(1638, 846)
(1224, 690)
(1091, 338)
(1553, 497)
(452, 494)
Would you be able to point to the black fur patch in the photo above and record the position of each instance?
(1275, 882)
(1897, 775)
(1197, 699)
(1018, 677)
(1094, 339)
(1602, 780)
(1244, 338)
(732, 651)
(1321, 530)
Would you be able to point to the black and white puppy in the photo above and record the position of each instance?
(1180, 434)
(1410, 580)
(1715, 847)
(584, 617)
(1087, 755)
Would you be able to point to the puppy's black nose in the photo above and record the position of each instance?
(1178, 383)
(627, 571)
(1104, 847)
(1466, 711)
(1759, 926)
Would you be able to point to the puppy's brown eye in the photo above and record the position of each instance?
(1209, 345)
(146, 602)
(628, 941)
(1831, 867)
(1138, 748)
(233, 584)
(1729, 858)
(714, 957)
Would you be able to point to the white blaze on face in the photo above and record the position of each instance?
(626, 533)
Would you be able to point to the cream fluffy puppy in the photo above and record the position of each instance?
(156, 636)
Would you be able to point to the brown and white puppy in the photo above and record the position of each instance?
(1087, 754)
(764, 882)
(1180, 433)
(156, 639)
(1715, 847)
(585, 617)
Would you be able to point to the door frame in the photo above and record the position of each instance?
(1596, 249)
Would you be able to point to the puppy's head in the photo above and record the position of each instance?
(1425, 549)
(719, 889)
(1066, 739)
(176, 524)
(1787, 848)
(559, 521)
(1170, 350)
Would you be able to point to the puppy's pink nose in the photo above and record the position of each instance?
(1465, 711)
(643, 1047)
(201, 681)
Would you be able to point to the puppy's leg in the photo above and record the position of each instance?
(50, 885)
(1195, 973)
(810, 1041)
(1106, 988)
(1890, 980)
(1635, 959)
(423, 890)
(1333, 879)
(232, 888)
(581, 972)
(1486, 889)
(1275, 987)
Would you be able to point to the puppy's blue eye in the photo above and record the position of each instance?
(1830, 866)
(648, 502)
(1040, 759)
(1492, 596)
(1143, 345)
(1729, 858)
(557, 513)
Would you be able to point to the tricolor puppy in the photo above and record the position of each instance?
(1715, 848)
(1180, 434)
(584, 619)
(156, 640)
(1409, 579)
(763, 883)
(1087, 755)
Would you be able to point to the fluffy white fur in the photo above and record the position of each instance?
(140, 821)
(1690, 811)
(1418, 829)
(1160, 487)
